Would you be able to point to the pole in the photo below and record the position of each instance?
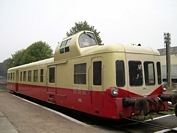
(168, 62)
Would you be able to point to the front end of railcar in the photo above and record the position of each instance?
(139, 89)
(128, 105)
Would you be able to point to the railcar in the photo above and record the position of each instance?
(113, 81)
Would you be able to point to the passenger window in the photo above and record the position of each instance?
(80, 73)
(120, 73)
(29, 76)
(24, 75)
(159, 73)
(35, 76)
(52, 75)
(149, 73)
(20, 76)
(97, 74)
(135, 73)
(12, 76)
(41, 75)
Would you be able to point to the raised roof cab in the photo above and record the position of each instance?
(75, 45)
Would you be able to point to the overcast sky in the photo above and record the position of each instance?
(23, 22)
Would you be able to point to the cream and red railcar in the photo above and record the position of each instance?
(113, 81)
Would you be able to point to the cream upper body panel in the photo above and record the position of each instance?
(33, 64)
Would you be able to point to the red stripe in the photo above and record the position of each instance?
(95, 102)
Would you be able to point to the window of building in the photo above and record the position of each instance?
(97, 74)
(41, 75)
(80, 73)
(149, 73)
(24, 75)
(29, 76)
(120, 73)
(20, 76)
(52, 74)
(35, 75)
(159, 73)
(135, 73)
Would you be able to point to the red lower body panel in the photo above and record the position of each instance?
(81, 100)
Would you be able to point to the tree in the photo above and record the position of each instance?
(3, 68)
(16, 58)
(36, 51)
(84, 26)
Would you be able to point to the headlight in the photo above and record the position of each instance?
(164, 84)
(164, 89)
(114, 91)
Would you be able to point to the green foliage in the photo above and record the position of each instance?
(84, 26)
(3, 68)
(35, 52)
(16, 58)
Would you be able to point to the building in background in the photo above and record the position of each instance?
(173, 55)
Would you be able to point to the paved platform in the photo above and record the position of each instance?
(19, 116)
(5, 125)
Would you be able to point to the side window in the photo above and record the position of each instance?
(35, 76)
(135, 73)
(29, 76)
(13, 76)
(97, 74)
(41, 75)
(120, 73)
(159, 73)
(10, 76)
(64, 47)
(52, 74)
(149, 73)
(80, 73)
(24, 75)
(20, 76)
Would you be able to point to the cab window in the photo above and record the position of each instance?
(149, 73)
(87, 39)
(120, 73)
(135, 73)
(64, 47)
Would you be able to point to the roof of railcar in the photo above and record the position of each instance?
(37, 63)
(121, 48)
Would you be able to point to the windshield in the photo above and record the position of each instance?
(87, 39)
(135, 73)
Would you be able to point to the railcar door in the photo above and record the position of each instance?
(96, 81)
(51, 83)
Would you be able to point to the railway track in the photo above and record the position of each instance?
(149, 127)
